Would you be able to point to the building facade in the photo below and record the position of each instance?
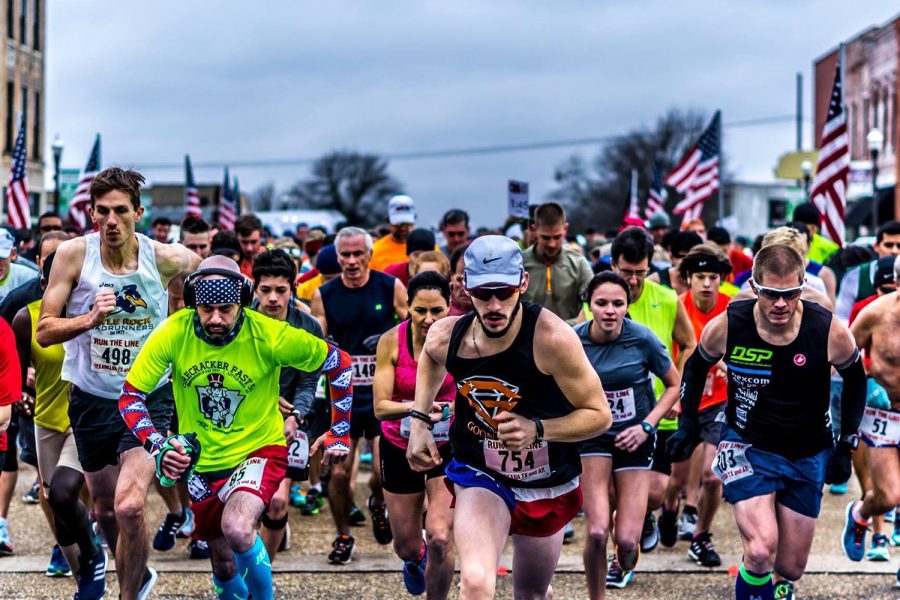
(22, 54)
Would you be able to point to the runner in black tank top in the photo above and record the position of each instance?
(776, 447)
(524, 385)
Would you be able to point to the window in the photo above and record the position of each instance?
(36, 144)
(24, 108)
(10, 118)
(22, 15)
(10, 19)
(36, 26)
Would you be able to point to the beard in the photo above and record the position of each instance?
(502, 332)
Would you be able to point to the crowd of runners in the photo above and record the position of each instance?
(501, 382)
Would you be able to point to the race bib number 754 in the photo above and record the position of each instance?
(530, 464)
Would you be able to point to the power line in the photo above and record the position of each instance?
(450, 152)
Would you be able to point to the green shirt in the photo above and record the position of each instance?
(227, 395)
(821, 249)
(558, 286)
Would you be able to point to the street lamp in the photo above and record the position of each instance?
(806, 167)
(57, 157)
(875, 139)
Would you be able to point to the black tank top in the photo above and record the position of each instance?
(778, 396)
(508, 381)
(354, 314)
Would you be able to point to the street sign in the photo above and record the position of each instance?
(518, 199)
(68, 183)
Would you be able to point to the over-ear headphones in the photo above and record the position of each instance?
(190, 294)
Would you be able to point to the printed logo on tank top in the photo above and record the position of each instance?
(799, 360)
(488, 396)
(218, 403)
(749, 369)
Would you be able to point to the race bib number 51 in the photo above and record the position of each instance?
(731, 462)
(880, 427)
(248, 475)
(530, 464)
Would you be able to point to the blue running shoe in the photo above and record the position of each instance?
(878, 549)
(838, 489)
(365, 458)
(853, 541)
(164, 540)
(297, 497)
(188, 528)
(92, 578)
(58, 566)
(889, 515)
(414, 575)
(895, 534)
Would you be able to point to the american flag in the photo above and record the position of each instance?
(191, 197)
(226, 206)
(81, 203)
(17, 206)
(829, 187)
(697, 177)
(634, 210)
(656, 201)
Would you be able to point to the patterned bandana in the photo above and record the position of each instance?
(218, 291)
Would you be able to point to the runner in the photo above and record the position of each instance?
(112, 285)
(623, 353)
(405, 491)
(355, 309)
(776, 449)
(229, 358)
(510, 474)
(10, 389)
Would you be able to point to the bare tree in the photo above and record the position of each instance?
(263, 197)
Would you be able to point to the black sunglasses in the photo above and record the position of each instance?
(486, 293)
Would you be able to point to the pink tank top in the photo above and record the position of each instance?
(397, 431)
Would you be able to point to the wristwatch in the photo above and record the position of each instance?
(648, 428)
(851, 440)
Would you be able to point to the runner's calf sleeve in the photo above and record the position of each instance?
(338, 369)
(133, 408)
(256, 569)
(853, 395)
(693, 380)
(233, 589)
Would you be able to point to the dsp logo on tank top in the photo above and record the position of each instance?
(488, 397)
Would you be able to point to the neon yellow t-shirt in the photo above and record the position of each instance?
(51, 404)
(227, 395)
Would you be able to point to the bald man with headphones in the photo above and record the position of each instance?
(231, 451)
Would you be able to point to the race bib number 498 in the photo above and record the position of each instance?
(109, 355)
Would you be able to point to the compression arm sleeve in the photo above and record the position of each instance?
(133, 408)
(853, 395)
(693, 380)
(339, 370)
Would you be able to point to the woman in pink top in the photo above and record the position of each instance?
(426, 567)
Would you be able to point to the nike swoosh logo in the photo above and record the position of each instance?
(486, 261)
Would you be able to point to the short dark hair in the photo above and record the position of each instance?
(247, 224)
(807, 213)
(71, 229)
(50, 214)
(456, 256)
(549, 214)
(225, 242)
(607, 277)
(683, 241)
(274, 263)
(455, 216)
(161, 221)
(634, 245)
(193, 225)
(779, 260)
(428, 280)
(889, 228)
(116, 179)
(719, 235)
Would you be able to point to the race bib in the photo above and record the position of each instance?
(731, 462)
(248, 475)
(363, 370)
(530, 464)
(298, 451)
(113, 355)
(880, 427)
(440, 432)
(621, 403)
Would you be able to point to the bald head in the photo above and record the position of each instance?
(219, 262)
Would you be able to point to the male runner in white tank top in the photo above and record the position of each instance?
(112, 286)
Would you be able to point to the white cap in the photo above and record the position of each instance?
(401, 209)
(7, 243)
(493, 260)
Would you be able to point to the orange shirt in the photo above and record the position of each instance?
(387, 251)
(716, 389)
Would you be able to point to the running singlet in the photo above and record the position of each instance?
(624, 366)
(98, 359)
(51, 404)
(227, 395)
(508, 381)
(353, 315)
(716, 389)
(778, 396)
(397, 432)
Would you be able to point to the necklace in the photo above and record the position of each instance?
(475, 343)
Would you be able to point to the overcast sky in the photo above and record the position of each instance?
(229, 81)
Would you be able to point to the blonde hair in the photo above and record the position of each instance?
(435, 257)
(786, 236)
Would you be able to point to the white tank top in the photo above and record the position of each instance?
(98, 360)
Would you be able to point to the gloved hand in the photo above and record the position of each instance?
(371, 342)
(681, 445)
(840, 465)
(191, 446)
(876, 396)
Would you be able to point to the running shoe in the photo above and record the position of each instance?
(381, 527)
(784, 590)
(164, 540)
(342, 551)
(314, 501)
(58, 566)
(878, 549)
(703, 552)
(365, 458)
(298, 496)
(198, 550)
(650, 533)
(569, 533)
(414, 574)
(889, 515)
(668, 527)
(33, 496)
(838, 489)
(853, 541)
(357, 516)
(96, 534)
(147, 583)
(188, 528)
(92, 577)
(615, 576)
(895, 534)
(6, 545)
(687, 523)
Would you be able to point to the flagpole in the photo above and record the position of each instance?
(721, 182)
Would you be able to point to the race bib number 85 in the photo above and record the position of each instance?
(248, 475)
(530, 464)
